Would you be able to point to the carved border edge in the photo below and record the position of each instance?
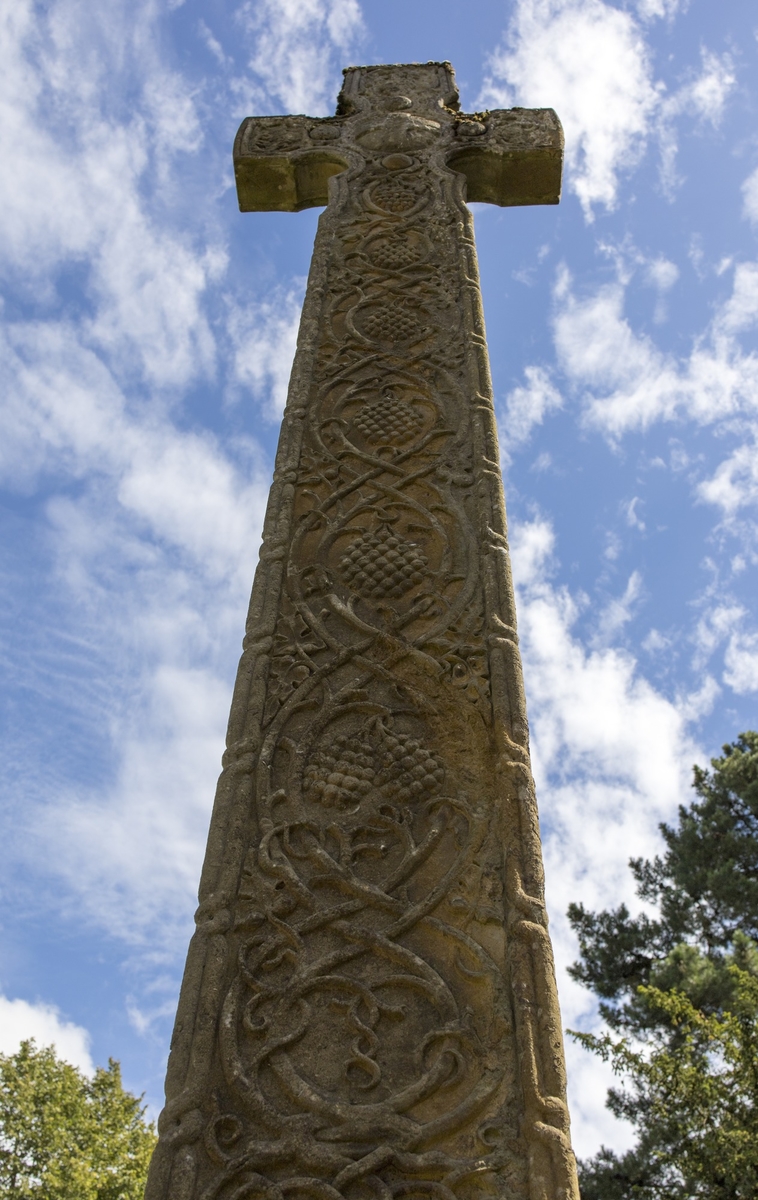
(172, 1171)
(552, 1164)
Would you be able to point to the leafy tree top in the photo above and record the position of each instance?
(66, 1137)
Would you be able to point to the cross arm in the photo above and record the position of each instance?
(509, 156)
(283, 164)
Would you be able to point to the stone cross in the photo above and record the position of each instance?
(369, 1008)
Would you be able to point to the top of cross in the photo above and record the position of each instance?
(509, 156)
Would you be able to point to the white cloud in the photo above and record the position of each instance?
(65, 412)
(593, 706)
(164, 629)
(612, 759)
(618, 612)
(212, 43)
(598, 349)
(627, 382)
(130, 854)
(750, 197)
(703, 96)
(724, 622)
(662, 273)
(150, 528)
(741, 662)
(633, 519)
(631, 383)
(719, 621)
(73, 186)
(655, 642)
(155, 555)
(589, 61)
(526, 407)
(295, 45)
(734, 483)
(649, 9)
(699, 704)
(170, 110)
(21, 1021)
(707, 93)
(263, 338)
(741, 309)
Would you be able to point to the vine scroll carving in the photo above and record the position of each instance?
(369, 1009)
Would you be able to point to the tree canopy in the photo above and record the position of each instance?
(66, 1137)
(681, 987)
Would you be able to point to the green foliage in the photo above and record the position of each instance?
(706, 888)
(694, 1100)
(683, 988)
(66, 1137)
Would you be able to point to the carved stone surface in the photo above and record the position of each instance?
(369, 1009)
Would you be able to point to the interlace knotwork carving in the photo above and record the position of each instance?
(371, 970)
(296, 654)
(360, 1011)
(368, 1014)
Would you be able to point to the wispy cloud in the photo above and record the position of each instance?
(526, 407)
(263, 338)
(703, 97)
(741, 661)
(728, 623)
(651, 9)
(750, 197)
(618, 611)
(74, 192)
(622, 382)
(627, 382)
(147, 526)
(299, 47)
(591, 61)
(612, 758)
(153, 554)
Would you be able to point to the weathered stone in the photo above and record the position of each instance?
(369, 1007)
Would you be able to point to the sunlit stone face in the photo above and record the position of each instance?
(369, 1006)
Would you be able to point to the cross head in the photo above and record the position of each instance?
(508, 156)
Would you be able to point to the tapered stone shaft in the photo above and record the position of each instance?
(369, 1009)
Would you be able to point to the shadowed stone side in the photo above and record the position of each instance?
(369, 1007)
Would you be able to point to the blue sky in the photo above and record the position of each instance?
(147, 334)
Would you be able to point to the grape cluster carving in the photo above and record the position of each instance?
(387, 420)
(393, 253)
(392, 323)
(393, 197)
(381, 565)
(378, 759)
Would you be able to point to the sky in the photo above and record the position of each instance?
(147, 334)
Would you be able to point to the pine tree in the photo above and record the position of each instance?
(682, 989)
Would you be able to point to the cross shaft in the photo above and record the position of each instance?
(369, 1005)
